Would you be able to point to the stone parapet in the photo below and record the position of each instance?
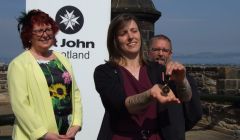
(205, 77)
(219, 88)
(216, 79)
(229, 81)
(3, 81)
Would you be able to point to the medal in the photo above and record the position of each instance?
(165, 88)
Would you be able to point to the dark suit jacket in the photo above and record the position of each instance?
(108, 80)
(182, 117)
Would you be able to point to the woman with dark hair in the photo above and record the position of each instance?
(133, 91)
(44, 96)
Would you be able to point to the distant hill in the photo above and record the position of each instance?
(5, 60)
(209, 58)
(197, 58)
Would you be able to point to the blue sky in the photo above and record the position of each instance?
(200, 25)
(9, 37)
(195, 27)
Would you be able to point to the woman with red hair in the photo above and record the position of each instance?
(44, 95)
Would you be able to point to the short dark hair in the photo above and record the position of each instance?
(112, 44)
(160, 36)
(26, 22)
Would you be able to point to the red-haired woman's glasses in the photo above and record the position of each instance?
(40, 32)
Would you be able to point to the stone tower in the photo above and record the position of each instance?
(145, 12)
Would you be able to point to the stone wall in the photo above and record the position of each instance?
(219, 88)
(221, 80)
(5, 106)
(3, 78)
(206, 78)
(229, 81)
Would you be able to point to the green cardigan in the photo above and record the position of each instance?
(30, 99)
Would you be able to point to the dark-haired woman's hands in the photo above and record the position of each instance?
(156, 93)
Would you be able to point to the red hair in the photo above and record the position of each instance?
(28, 20)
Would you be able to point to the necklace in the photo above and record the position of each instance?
(43, 56)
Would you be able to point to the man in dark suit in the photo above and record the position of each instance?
(182, 117)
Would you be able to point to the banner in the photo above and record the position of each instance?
(82, 39)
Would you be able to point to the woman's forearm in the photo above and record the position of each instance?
(138, 102)
(184, 91)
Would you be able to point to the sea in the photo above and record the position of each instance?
(206, 58)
